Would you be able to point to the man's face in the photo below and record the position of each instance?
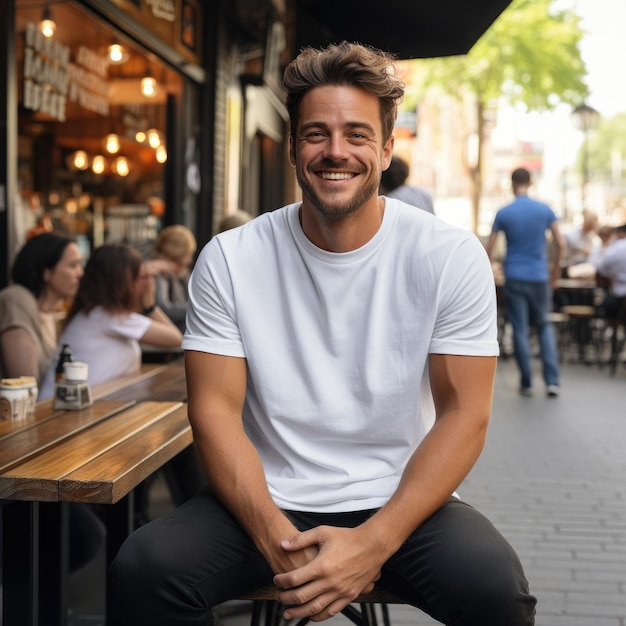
(338, 150)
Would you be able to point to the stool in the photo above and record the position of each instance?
(267, 611)
(580, 316)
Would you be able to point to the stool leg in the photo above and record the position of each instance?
(257, 610)
(385, 611)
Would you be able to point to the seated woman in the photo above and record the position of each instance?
(174, 249)
(45, 274)
(113, 311)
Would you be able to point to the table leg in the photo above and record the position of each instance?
(54, 552)
(20, 562)
(120, 522)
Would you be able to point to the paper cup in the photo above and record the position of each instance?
(75, 371)
(14, 399)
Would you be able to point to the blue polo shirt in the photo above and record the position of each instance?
(524, 223)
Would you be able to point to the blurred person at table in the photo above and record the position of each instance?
(340, 355)
(114, 310)
(611, 266)
(581, 241)
(173, 254)
(233, 220)
(393, 185)
(606, 235)
(45, 276)
(529, 279)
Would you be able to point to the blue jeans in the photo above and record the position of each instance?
(527, 304)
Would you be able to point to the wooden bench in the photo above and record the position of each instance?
(267, 611)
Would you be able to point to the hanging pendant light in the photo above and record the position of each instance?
(121, 166)
(149, 85)
(98, 164)
(117, 53)
(47, 26)
(112, 143)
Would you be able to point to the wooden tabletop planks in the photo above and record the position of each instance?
(136, 424)
(25, 443)
(109, 477)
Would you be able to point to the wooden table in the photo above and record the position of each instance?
(95, 455)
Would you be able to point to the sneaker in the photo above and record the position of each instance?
(553, 391)
(527, 392)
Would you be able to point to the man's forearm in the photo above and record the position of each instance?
(434, 472)
(235, 473)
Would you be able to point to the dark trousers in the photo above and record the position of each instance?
(456, 567)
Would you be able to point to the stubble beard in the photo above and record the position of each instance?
(336, 210)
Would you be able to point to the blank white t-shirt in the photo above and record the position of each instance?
(337, 344)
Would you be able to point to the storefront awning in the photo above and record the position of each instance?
(406, 28)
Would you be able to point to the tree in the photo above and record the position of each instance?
(606, 148)
(530, 57)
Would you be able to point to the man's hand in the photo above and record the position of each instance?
(344, 567)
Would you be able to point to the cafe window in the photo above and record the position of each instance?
(92, 127)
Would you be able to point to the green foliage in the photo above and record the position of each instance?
(606, 148)
(530, 55)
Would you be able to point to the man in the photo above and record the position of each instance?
(393, 185)
(528, 279)
(340, 355)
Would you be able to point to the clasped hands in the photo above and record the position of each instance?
(330, 567)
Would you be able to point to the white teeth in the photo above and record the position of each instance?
(335, 176)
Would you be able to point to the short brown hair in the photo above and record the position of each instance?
(349, 64)
(175, 242)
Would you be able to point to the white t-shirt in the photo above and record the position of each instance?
(612, 264)
(337, 344)
(108, 343)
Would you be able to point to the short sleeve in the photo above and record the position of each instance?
(211, 324)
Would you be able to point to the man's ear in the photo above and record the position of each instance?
(385, 162)
(292, 151)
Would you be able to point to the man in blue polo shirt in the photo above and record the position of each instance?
(528, 278)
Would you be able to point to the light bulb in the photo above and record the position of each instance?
(47, 26)
(161, 154)
(154, 138)
(112, 143)
(149, 86)
(81, 160)
(117, 54)
(140, 136)
(98, 165)
(121, 166)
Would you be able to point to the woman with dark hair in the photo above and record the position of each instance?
(113, 311)
(45, 274)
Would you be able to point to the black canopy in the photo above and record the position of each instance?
(406, 28)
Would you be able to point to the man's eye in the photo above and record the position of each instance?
(314, 134)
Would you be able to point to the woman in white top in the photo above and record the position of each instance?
(114, 310)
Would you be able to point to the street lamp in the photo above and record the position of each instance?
(585, 119)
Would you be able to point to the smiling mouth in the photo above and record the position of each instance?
(336, 175)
